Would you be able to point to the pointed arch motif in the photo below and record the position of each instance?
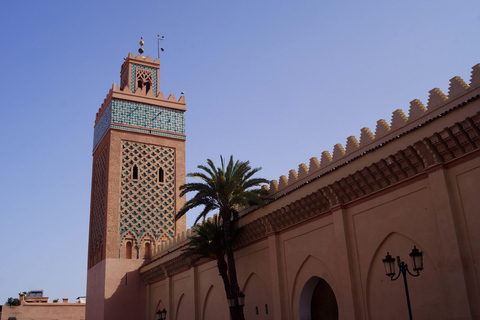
(312, 267)
(215, 305)
(178, 309)
(128, 246)
(317, 301)
(258, 302)
(160, 306)
(385, 298)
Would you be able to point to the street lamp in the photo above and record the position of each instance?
(237, 303)
(417, 261)
(162, 315)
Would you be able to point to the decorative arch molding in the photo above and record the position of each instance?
(310, 268)
(215, 305)
(160, 306)
(129, 246)
(164, 237)
(129, 236)
(386, 298)
(178, 309)
(258, 302)
(326, 304)
(147, 236)
(250, 277)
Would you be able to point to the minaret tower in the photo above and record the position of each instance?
(138, 167)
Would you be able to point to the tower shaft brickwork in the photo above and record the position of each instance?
(138, 167)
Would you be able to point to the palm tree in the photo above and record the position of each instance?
(207, 241)
(225, 189)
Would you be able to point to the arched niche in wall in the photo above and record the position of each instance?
(181, 313)
(317, 301)
(308, 276)
(386, 299)
(215, 305)
(160, 306)
(258, 303)
(128, 246)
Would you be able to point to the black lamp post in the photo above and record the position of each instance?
(162, 315)
(237, 303)
(417, 261)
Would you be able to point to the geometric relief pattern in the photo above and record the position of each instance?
(97, 222)
(102, 125)
(144, 76)
(147, 205)
(147, 116)
(133, 83)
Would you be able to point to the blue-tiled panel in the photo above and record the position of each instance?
(133, 75)
(140, 115)
(102, 125)
(147, 116)
(163, 134)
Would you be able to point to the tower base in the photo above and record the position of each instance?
(115, 290)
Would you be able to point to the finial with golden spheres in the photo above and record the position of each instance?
(141, 46)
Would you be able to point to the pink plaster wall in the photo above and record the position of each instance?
(436, 211)
(45, 311)
(115, 290)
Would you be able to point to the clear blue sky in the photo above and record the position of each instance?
(273, 82)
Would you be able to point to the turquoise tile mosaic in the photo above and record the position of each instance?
(102, 126)
(133, 82)
(125, 113)
(147, 116)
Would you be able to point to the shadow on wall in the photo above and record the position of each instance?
(258, 303)
(386, 299)
(128, 298)
(215, 306)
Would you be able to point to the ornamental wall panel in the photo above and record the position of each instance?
(97, 222)
(147, 205)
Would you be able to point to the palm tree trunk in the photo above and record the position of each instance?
(223, 269)
(236, 313)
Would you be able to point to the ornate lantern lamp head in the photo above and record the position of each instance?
(389, 263)
(162, 315)
(417, 259)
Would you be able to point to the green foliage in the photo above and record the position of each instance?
(224, 189)
(206, 241)
(12, 318)
(12, 302)
(55, 300)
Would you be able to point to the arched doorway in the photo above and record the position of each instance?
(317, 301)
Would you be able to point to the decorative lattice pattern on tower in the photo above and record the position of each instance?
(135, 68)
(97, 220)
(147, 191)
(144, 76)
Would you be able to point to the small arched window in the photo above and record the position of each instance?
(147, 251)
(135, 172)
(139, 84)
(128, 254)
(147, 86)
(161, 175)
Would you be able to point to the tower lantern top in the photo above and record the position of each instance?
(140, 74)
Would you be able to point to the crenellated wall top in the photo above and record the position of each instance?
(129, 91)
(400, 122)
(142, 97)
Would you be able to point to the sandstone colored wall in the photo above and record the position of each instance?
(115, 290)
(415, 184)
(45, 311)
